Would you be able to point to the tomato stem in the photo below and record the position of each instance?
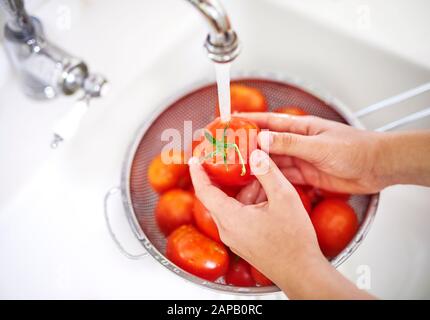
(221, 148)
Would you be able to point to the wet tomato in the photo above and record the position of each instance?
(246, 99)
(169, 170)
(225, 151)
(196, 253)
(174, 208)
(335, 224)
(292, 110)
(304, 196)
(260, 278)
(204, 221)
(324, 194)
(239, 273)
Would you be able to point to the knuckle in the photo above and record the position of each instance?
(284, 140)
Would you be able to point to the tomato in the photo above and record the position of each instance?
(246, 99)
(329, 194)
(239, 273)
(174, 208)
(235, 140)
(231, 191)
(335, 224)
(204, 221)
(260, 278)
(292, 110)
(163, 176)
(304, 196)
(196, 253)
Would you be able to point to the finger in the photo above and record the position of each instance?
(215, 200)
(261, 196)
(249, 193)
(282, 161)
(293, 175)
(290, 144)
(306, 125)
(271, 178)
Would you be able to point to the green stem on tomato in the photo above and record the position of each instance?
(221, 148)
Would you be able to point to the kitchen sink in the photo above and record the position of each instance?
(53, 238)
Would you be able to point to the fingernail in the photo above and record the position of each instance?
(265, 139)
(259, 161)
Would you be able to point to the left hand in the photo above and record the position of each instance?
(273, 235)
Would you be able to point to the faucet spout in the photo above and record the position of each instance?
(222, 42)
(18, 19)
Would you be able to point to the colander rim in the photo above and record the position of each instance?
(321, 94)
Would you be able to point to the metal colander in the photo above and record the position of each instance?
(198, 106)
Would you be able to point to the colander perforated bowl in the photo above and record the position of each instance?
(198, 106)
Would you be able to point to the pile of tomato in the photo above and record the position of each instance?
(193, 241)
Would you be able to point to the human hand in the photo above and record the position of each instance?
(253, 231)
(275, 236)
(322, 153)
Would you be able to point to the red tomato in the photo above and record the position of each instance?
(174, 208)
(304, 196)
(163, 176)
(335, 224)
(236, 140)
(231, 191)
(260, 278)
(330, 194)
(246, 99)
(196, 253)
(239, 273)
(204, 221)
(292, 110)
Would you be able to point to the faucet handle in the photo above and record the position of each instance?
(95, 86)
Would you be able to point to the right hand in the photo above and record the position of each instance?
(322, 153)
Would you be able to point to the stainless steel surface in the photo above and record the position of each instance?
(46, 70)
(222, 42)
(405, 120)
(393, 100)
(109, 194)
(17, 16)
(388, 102)
(139, 200)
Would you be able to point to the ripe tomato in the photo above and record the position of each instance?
(204, 221)
(174, 208)
(239, 273)
(292, 110)
(226, 149)
(164, 176)
(260, 278)
(304, 196)
(246, 99)
(196, 253)
(335, 224)
(329, 195)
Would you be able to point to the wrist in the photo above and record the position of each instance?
(403, 158)
(384, 162)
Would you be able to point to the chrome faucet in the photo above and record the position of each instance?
(48, 71)
(221, 43)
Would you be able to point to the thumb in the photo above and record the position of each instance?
(268, 174)
(291, 144)
(215, 200)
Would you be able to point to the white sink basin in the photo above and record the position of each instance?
(53, 240)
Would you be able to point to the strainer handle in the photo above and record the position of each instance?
(109, 194)
(394, 100)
